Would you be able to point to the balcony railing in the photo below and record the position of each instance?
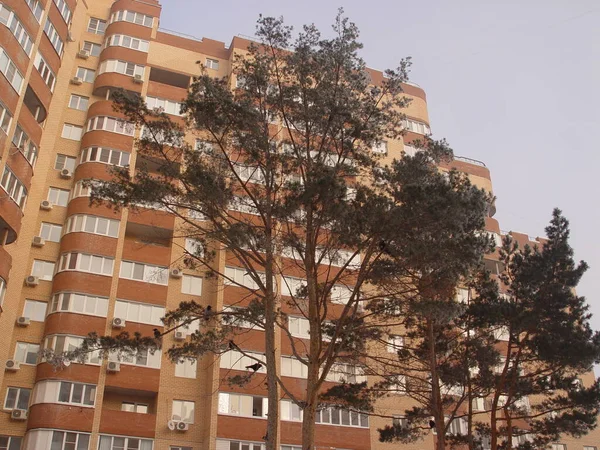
(470, 161)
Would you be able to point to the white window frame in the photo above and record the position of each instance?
(151, 273)
(235, 360)
(5, 118)
(72, 132)
(111, 125)
(14, 187)
(299, 327)
(20, 391)
(350, 373)
(25, 145)
(105, 155)
(17, 29)
(64, 10)
(394, 343)
(12, 442)
(191, 285)
(212, 63)
(127, 68)
(29, 349)
(2, 290)
(241, 405)
(186, 368)
(35, 310)
(36, 9)
(123, 40)
(239, 277)
(51, 232)
(87, 223)
(133, 312)
(54, 37)
(325, 417)
(294, 368)
(86, 74)
(65, 162)
(143, 444)
(79, 303)
(183, 408)
(416, 126)
(44, 270)
(84, 262)
(9, 69)
(51, 391)
(142, 358)
(380, 147)
(55, 195)
(96, 25)
(165, 105)
(93, 48)
(79, 102)
(290, 411)
(70, 342)
(132, 17)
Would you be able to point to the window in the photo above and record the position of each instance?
(292, 367)
(478, 404)
(340, 294)
(25, 145)
(380, 147)
(10, 443)
(244, 205)
(416, 127)
(122, 67)
(242, 405)
(2, 290)
(400, 421)
(236, 276)
(186, 368)
(27, 353)
(237, 361)
(72, 132)
(17, 398)
(252, 174)
(83, 188)
(87, 75)
(79, 303)
(212, 63)
(96, 26)
(142, 358)
(234, 316)
(458, 427)
(12, 22)
(124, 443)
(76, 393)
(10, 71)
(168, 106)
(51, 232)
(105, 155)
(84, 223)
(589, 447)
(144, 272)
(92, 48)
(410, 150)
(183, 410)
(204, 146)
(5, 118)
(111, 124)
(299, 327)
(349, 373)
(80, 262)
(194, 247)
(62, 343)
(133, 17)
(337, 416)
(395, 343)
(79, 102)
(64, 10)
(121, 40)
(13, 187)
(44, 270)
(58, 197)
(65, 162)
(36, 9)
(290, 411)
(223, 444)
(54, 37)
(35, 310)
(139, 408)
(139, 312)
(191, 285)
(292, 286)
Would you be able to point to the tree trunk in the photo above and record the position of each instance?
(272, 364)
(436, 401)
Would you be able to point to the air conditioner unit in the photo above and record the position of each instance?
(176, 273)
(77, 81)
(117, 322)
(66, 173)
(12, 365)
(138, 79)
(83, 54)
(18, 414)
(45, 205)
(32, 281)
(113, 366)
(176, 425)
(23, 321)
(38, 241)
(179, 336)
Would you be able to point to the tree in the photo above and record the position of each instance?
(283, 180)
(547, 343)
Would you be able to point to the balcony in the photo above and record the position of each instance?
(126, 423)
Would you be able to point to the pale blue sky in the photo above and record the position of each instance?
(513, 83)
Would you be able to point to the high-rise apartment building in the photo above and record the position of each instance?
(67, 268)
